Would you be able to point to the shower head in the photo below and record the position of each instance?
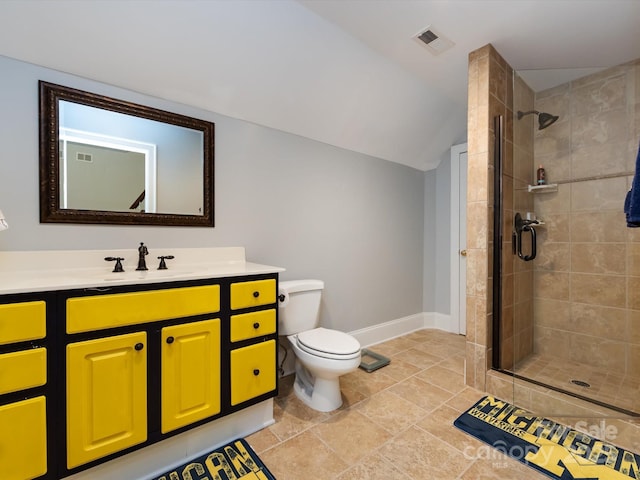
(544, 119)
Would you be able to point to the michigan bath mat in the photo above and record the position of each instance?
(554, 449)
(233, 461)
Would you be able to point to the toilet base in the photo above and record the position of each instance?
(320, 394)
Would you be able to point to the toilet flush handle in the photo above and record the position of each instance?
(281, 297)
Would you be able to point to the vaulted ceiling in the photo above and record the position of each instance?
(348, 73)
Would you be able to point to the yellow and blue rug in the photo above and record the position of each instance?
(233, 461)
(554, 449)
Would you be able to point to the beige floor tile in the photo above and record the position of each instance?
(367, 383)
(351, 435)
(440, 350)
(262, 440)
(465, 399)
(373, 467)
(439, 423)
(303, 457)
(395, 346)
(397, 423)
(391, 412)
(400, 370)
(443, 378)
(350, 396)
(454, 363)
(421, 455)
(293, 417)
(426, 395)
(419, 358)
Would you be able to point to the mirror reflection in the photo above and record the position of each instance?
(109, 161)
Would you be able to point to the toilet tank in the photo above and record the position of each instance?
(299, 305)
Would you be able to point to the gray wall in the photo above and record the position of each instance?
(430, 215)
(443, 236)
(354, 221)
(437, 238)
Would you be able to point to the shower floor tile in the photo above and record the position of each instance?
(613, 388)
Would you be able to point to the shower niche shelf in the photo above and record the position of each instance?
(552, 187)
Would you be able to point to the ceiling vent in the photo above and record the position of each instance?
(434, 41)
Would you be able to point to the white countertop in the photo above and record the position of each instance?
(39, 271)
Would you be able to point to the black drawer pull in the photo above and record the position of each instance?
(139, 346)
(256, 372)
(170, 340)
(256, 325)
(256, 294)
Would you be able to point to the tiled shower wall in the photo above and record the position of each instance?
(587, 275)
(491, 93)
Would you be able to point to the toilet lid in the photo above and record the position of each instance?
(327, 343)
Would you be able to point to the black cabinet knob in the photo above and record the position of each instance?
(256, 372)
(139, 346)
(256, 325)
(256, 294)
(170, 340)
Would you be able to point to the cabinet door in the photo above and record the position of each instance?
(190, 373)
(106, 396)
(23, 439)
(253, 371)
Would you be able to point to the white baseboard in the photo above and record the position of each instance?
(441, 321)
(403, 326)
(384, 331)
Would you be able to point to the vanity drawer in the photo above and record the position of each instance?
(254, 324)
(115, 310)
(22, 370)
(253, 294)
(20, 322)
(253, 371)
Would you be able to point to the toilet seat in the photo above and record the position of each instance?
(326, 343)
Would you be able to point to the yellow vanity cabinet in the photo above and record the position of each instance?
(190, 382)
(252, 332)
(146, 362)
(23, 400)
(141, 339)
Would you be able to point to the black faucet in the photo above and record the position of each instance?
(118, 260)
(142, 252)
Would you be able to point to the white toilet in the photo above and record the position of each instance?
(322, 355)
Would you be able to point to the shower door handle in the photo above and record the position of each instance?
(521, 226)
(527, 258)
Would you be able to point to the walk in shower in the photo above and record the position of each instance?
(569, 287)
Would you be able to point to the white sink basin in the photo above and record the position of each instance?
(145, 274)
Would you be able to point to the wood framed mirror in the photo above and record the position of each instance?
(109, 161)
